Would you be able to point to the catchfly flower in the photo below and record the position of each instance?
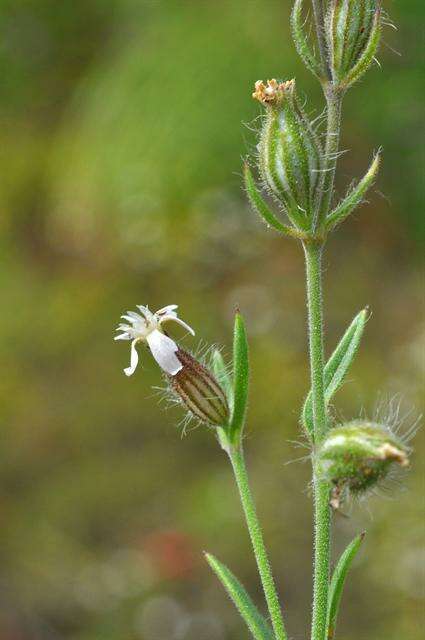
(147, 327)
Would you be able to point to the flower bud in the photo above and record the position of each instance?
(290, 154)
(357, 455)
(353, 29)
(199, 391)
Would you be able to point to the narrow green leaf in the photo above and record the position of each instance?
(240, 378)
(337, 366)
(249, 612)
(261, 207)
(223, 376)
(355, 196)
(301, 41)
(366, 58)
(337, 583)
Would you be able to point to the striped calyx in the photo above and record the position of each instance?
(353, 30)
(356, 455)
(199, 391)
(290, 154)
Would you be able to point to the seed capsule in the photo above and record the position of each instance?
(357, 455)
(290, 154)
(199, 391)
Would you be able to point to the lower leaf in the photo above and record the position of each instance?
(256, 623)
(337, 583)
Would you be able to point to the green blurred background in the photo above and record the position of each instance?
(122, 131)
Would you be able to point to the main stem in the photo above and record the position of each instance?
(264, 569)
(322, 518)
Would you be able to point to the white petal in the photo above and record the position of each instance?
(168, 310)
(123, 336)
(164, 351)
(179, 321)
(132, 317)
(146, 312)
(134, 359)
(123, 327)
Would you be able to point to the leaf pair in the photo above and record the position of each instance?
(347, 205)
(236, 386)
(336, 368)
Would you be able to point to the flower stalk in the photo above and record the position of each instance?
(237, 460)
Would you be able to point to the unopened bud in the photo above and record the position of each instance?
(199, 391)
(357, 455)
(290, 154)
(353, 29)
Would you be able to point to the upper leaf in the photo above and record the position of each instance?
(240, 378)
(355, 196)
(337, 367)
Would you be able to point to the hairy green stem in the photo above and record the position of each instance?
(264, 569)
(322, 518)
(333, 113)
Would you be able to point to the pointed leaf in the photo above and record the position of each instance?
(337, 583)
(302, 44)
(249, 612)
(337, 366)
(368, 54)
(355, 196)
(240, 378)
(261, 207)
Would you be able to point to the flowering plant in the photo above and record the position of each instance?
(296, 168)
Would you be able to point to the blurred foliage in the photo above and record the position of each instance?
(120, 154)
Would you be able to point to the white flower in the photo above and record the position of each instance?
(147, 327)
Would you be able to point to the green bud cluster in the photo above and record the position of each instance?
(199, 391)
(355, 456)
(352, 30)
